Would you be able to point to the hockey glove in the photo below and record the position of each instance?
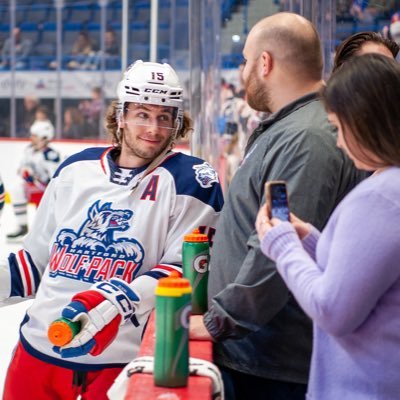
(100, 310)
(27, 175)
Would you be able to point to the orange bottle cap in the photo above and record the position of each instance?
(60, 333)
(196, 236)
(174, 281)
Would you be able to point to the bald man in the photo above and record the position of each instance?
(262, 337)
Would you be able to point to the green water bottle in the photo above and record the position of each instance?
(195, 258)
(62, 331)
(171, 357)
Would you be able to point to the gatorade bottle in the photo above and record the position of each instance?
(62, 331)
(171, 358)
(195, 258)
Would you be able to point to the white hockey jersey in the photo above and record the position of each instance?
(91, 226)
(43, 163)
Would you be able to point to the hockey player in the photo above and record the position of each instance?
(2, 196)
(110, 224)
(39, 162)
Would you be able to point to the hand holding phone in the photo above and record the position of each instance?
(277, 200)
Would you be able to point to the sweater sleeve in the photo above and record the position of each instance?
(310, 241)
(362, 264)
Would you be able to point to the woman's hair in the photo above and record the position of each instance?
(365, 96)
(111, 125)
(349, 47)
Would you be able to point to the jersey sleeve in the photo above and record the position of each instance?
(51, 161)
(21, 272)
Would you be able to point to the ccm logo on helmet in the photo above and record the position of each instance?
(149, 90)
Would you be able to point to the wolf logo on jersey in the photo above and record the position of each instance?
(92, 253)
(205, 175)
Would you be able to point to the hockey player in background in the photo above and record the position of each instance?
(110, 224)
(2, 196)
(38, 164)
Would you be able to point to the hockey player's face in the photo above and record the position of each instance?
(38, 142)
(147, 130)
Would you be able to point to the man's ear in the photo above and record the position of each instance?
(267, 63)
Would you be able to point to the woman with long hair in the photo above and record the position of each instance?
(347, 278)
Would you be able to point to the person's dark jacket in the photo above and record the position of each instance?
(259, 328)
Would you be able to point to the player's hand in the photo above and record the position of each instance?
(27, 175)
(100, 310)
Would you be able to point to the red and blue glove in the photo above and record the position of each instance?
(100, 310)
(27, 175)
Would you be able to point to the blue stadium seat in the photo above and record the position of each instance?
(28, 26)
(37, 13)
(93, 26)
(73, 26)
(4, 27)
(138, 51)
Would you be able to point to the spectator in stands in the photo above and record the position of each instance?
(262, 338)
(23, 48)
(111, 50)
(42, 114)
(350, 287)
(26, 115)
(75, 126)
(111, 54)
(82, 52)
(5, 117)
(362, 43)
(366, 11)
(111, 45)
(394, 31)
(38, 164)
(91, 111)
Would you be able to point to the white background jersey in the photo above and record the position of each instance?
(43, 163)
(90, 226)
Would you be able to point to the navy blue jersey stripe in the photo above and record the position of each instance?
(93, 153)
(156, 274)
(17, 288)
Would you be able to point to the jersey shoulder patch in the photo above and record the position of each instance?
(51, 155)
(195, 177)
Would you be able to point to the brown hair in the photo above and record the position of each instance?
(111, 125)
(365, 96)
(349, 47)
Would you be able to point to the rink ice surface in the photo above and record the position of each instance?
(11, 314)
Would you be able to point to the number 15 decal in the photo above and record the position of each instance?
(157, 76)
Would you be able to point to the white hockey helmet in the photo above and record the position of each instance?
(151, 83)
(43, 129)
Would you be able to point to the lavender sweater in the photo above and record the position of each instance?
(347, 279)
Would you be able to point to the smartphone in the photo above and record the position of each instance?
(277, 200)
